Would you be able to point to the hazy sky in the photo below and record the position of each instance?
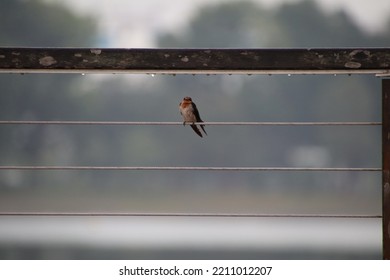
(134, 23)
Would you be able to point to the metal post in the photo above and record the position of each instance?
(386, 167)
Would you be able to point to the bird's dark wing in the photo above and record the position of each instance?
(202, 127)
(196, 113)
(197, 116)
(196, 129)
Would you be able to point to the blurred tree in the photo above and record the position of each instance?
(227, 25)
(35, 23)
(305, 25)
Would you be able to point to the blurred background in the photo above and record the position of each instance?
(104, 97)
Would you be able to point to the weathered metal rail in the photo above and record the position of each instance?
(196, 61)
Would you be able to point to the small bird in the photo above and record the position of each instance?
(191, 115)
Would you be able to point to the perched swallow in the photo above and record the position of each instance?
(191, 115)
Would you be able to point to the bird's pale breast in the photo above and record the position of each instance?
(187, 112)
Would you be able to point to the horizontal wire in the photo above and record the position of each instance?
(206, 215)
(180, 123)
(193, 168)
